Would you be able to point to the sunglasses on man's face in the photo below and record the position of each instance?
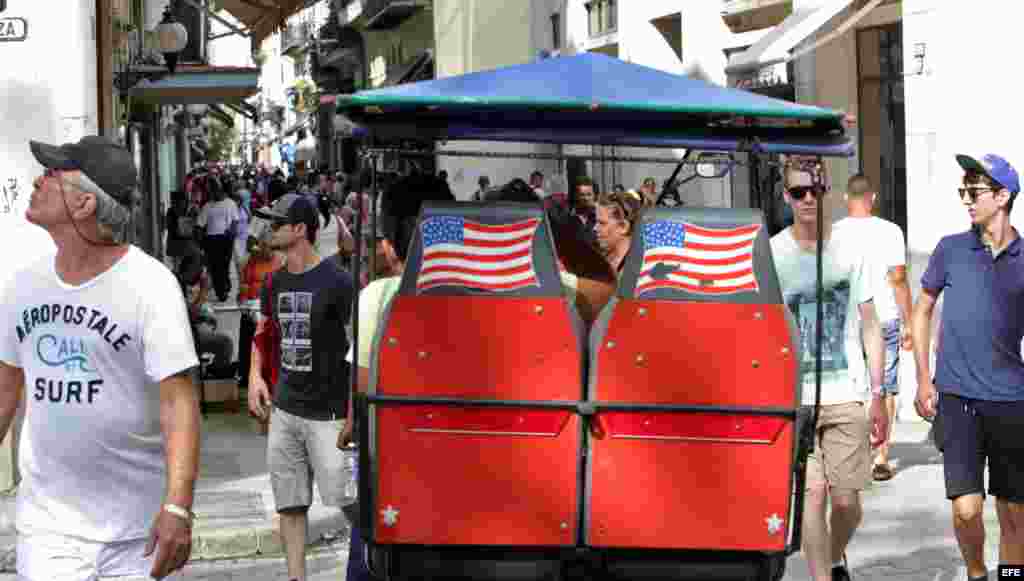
(973, 193)
(798, 193)
(275, 226)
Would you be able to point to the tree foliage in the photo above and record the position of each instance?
(222, 141)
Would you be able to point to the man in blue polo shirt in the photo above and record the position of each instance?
(978, 387)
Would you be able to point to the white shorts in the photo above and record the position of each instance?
(51, 557)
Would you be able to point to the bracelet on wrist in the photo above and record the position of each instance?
(180, 511)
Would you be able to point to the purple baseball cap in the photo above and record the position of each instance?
(994, 167)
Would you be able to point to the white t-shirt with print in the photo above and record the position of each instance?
(92, 450)
(847, 285)
(883, 247)
(216, 217)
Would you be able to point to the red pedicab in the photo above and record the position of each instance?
(503, 439)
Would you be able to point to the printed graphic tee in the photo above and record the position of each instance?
(847, 284)
(92, 450)
(311, 310)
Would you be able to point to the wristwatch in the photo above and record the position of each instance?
(181, 512)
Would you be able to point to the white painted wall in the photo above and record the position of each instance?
(948, 113)
(48, 92)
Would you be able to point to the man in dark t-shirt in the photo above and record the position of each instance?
(308, 302)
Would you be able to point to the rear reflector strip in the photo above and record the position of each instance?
(482, 421)
(691, 427)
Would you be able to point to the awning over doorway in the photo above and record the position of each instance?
(775, 46)
(262, 17)
(199, 84)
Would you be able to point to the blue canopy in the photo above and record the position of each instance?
(594, 99)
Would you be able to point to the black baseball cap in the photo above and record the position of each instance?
(106, 162)
(293, 209)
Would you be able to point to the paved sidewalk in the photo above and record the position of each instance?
(234, 505)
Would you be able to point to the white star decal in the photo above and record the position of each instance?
(774, 524)
(390, 515)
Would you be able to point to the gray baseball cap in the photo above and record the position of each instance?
(106, 162)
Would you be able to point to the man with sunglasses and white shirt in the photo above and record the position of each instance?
(978, 386)
(840, 466)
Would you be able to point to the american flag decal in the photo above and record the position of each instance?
(463, 253)
(696, 259)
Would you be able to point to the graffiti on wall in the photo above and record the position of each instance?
(9, 195)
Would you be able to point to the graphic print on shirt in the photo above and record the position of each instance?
(804, 307)
(63, 338)
(293, 311)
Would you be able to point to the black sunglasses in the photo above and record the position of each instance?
(799, 192)
(277, 224)
(973, 193)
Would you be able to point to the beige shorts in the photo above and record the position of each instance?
(52, 557)
(842, 449)
(299, 450)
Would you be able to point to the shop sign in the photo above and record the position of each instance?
(13, 29)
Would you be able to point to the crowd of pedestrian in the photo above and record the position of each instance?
(104, 344)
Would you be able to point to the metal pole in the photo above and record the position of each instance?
(819, 330)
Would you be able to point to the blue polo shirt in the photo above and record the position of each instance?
(982, 318)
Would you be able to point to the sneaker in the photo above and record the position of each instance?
(841, 572)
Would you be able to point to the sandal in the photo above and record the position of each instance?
(882, 472)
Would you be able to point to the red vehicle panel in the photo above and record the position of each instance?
(687, 476)
(456, 487)
(472, 475)
(714, 367)
(472, 343)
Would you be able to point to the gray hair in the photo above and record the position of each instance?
(112, 218)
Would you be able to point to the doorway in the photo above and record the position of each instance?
(882, 118)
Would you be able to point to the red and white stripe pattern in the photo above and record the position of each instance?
(462, 253)
(697, 259)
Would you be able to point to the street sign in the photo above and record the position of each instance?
(13, 29)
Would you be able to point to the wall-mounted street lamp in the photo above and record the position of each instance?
(172, 37)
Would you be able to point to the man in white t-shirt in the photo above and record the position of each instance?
(96, 339)
(219, 221)
(881, 245)
(840, 466)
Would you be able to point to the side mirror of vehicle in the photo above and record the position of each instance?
(714, 165)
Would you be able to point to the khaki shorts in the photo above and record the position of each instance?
(299, 450)
(842, 449)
